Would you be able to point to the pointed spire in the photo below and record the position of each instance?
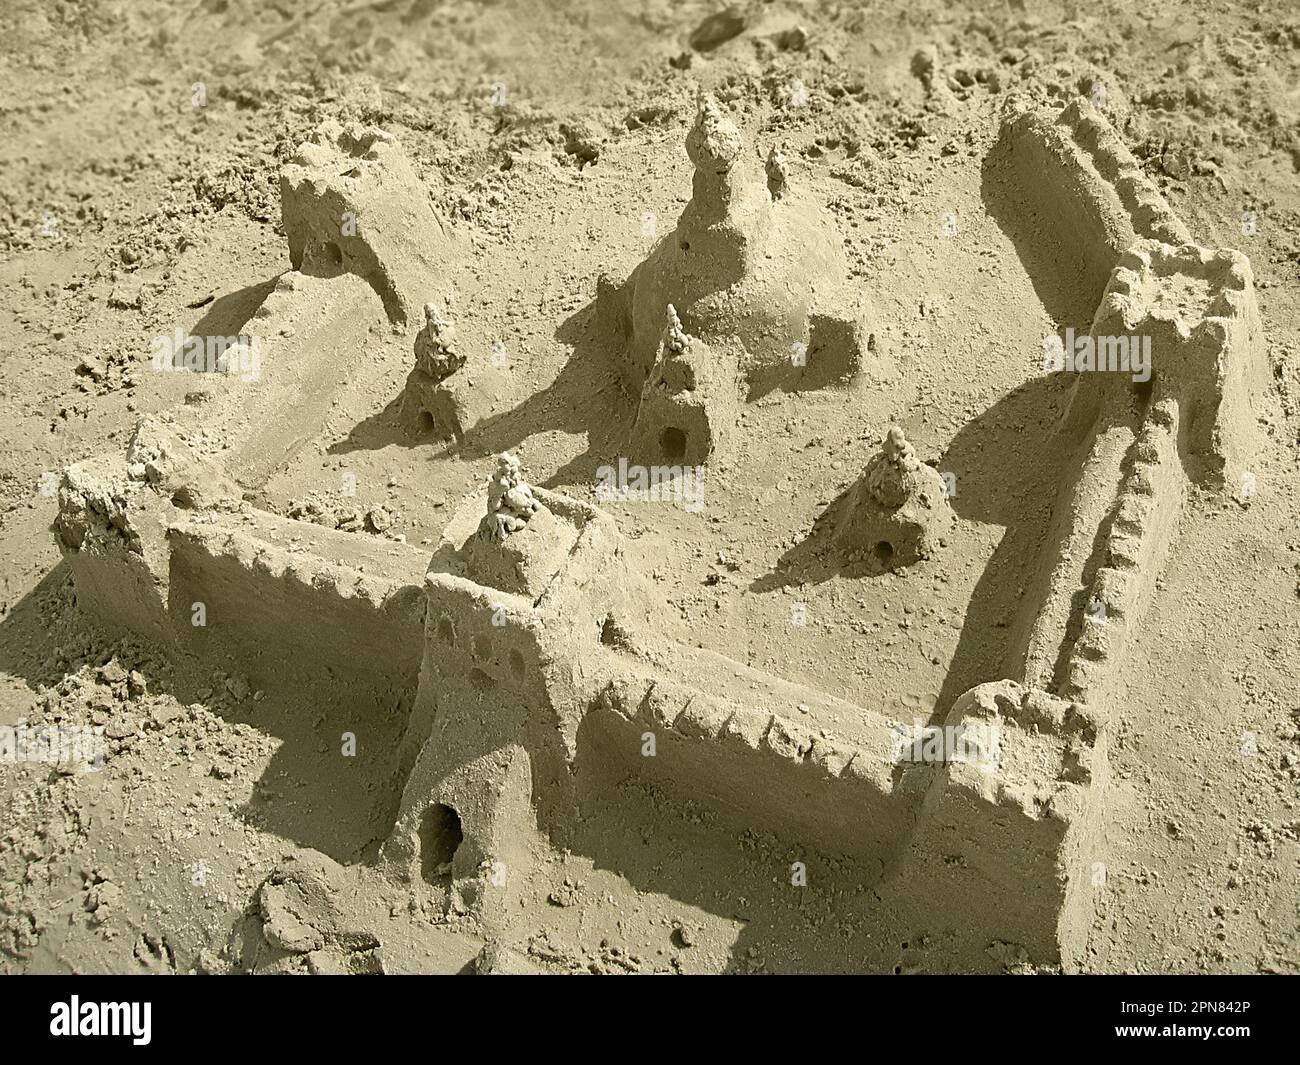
(778, 173)
(887, 471)
(435, 347)
(675, 338)
(510, 501)
(714, 145)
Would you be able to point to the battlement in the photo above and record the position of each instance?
(1083, 183)
(1012, 848)
(1198, 308)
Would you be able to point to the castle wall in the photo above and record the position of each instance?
(279, 607)
(1004, 854)
(754, 766)
(1086, 187)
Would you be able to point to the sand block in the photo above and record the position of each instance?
(353, 204)
(1007, 847)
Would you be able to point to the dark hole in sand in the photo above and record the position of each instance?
(440, 835)
(672, 442)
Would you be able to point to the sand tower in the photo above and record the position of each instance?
(689, 403)
(755, 276)
(898, 511)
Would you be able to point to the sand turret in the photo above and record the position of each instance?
(750, 260)
(898, 512)
(689, 403)
(353, 204)
(447, 391)
(517, 545)
(755, 272)
(510, 501)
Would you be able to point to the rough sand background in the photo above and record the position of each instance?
(126, 211)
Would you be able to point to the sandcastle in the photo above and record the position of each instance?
(898, 512)
(755, 275)
(688, 404)
(520, 659)
(749, 293)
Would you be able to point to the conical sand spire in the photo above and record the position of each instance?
(898, 512)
